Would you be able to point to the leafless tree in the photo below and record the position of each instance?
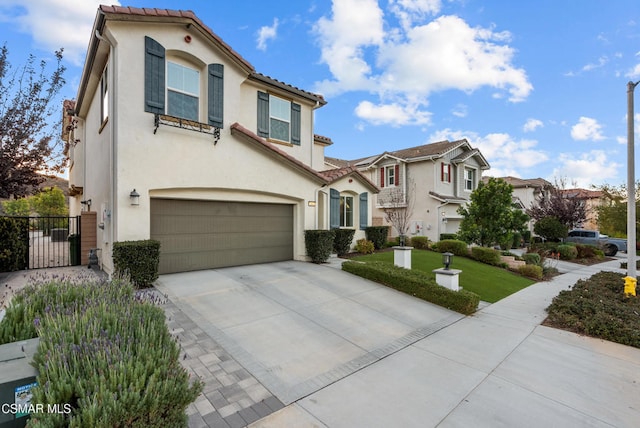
(397, 205)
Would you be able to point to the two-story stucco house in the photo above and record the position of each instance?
(177, 138)
(438, 177)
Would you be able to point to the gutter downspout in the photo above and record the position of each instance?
(113, 158)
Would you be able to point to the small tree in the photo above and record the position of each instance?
(50, 202)
(550, 228)
(397, 206)
(490, 217)
(554, 202)
(28, 143)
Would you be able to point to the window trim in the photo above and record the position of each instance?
(182, 91)
(104, 97)
(278, 98)
(471, 179)
(445, 172)
(344, 223)
(390, 179)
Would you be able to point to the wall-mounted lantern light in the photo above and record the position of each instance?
(135, 197)
(447, 259)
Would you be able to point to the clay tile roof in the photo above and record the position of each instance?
(322, 139)
(236, 128)
(335, 174)
(169, 13)
(337, 162)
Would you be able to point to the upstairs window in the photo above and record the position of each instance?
(183, 91)
(104, 95)
(469, 179)
(278, 119)
(390, 176)
(445, 172)
(175, 89)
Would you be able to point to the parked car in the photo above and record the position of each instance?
(610, 246)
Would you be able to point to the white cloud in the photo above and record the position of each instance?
(392, 114)
(587, 129)
(54, 23)
(505, 154)
(532, 124)
(460, 111)
(266, 33)
(634, 73)
(601, 62)
(365, 52)
(587, 168)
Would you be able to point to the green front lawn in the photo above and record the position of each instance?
(489, 282)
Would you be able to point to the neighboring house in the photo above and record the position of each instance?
(592, 200)
(439, 177)
(526, 192)
(223, 158)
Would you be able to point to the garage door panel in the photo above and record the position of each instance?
(211, 234)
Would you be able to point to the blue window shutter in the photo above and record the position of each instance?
(154, 76)
(216, 94)
(334, 209)
(295, 124)
(364, 210)
(263, 114)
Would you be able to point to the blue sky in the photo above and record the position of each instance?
(538, 86)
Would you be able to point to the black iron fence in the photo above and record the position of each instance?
(52, 241)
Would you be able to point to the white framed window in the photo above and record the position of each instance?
(346, 211)
(279, 118)
(104, 95)
(183, 91)
(390, 176)
(445, 172)
(469, 179)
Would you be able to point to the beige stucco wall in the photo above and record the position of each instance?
(125, 154)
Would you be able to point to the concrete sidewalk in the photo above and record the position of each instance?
(499, 367)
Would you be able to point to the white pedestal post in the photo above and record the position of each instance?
(402, 257)
(448, 278)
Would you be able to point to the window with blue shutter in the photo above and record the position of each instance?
(279, 119)
(216, 95)
(154, 76)
(295, 123)
(364, 210)
(334, 209)
(263, 114)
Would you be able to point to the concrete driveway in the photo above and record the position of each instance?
(299, 327)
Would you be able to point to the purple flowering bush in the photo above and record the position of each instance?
(105, 350)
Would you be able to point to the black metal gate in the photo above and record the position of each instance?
(52, 241)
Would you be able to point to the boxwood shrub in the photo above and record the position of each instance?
(137, 260)
(415, 283)
(364, 246)
(342, 240)
(319, 244)
(532, 258)
(377, 235)
(457, 247)
(486, 255)
(420, 242)
(567, 252)
(531, 271)
(106, 352)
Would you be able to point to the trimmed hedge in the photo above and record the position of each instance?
(105, 352)
(567, 252)
(532, 258)
(137, 260)
(14, 247)
(486, 255)
(531, 271)
(420, 242)
(415, 283)
(342, 240)
(448, 236)
(377, 235)
(459, 248)
(319, 244)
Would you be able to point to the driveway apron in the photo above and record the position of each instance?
(298, 327)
